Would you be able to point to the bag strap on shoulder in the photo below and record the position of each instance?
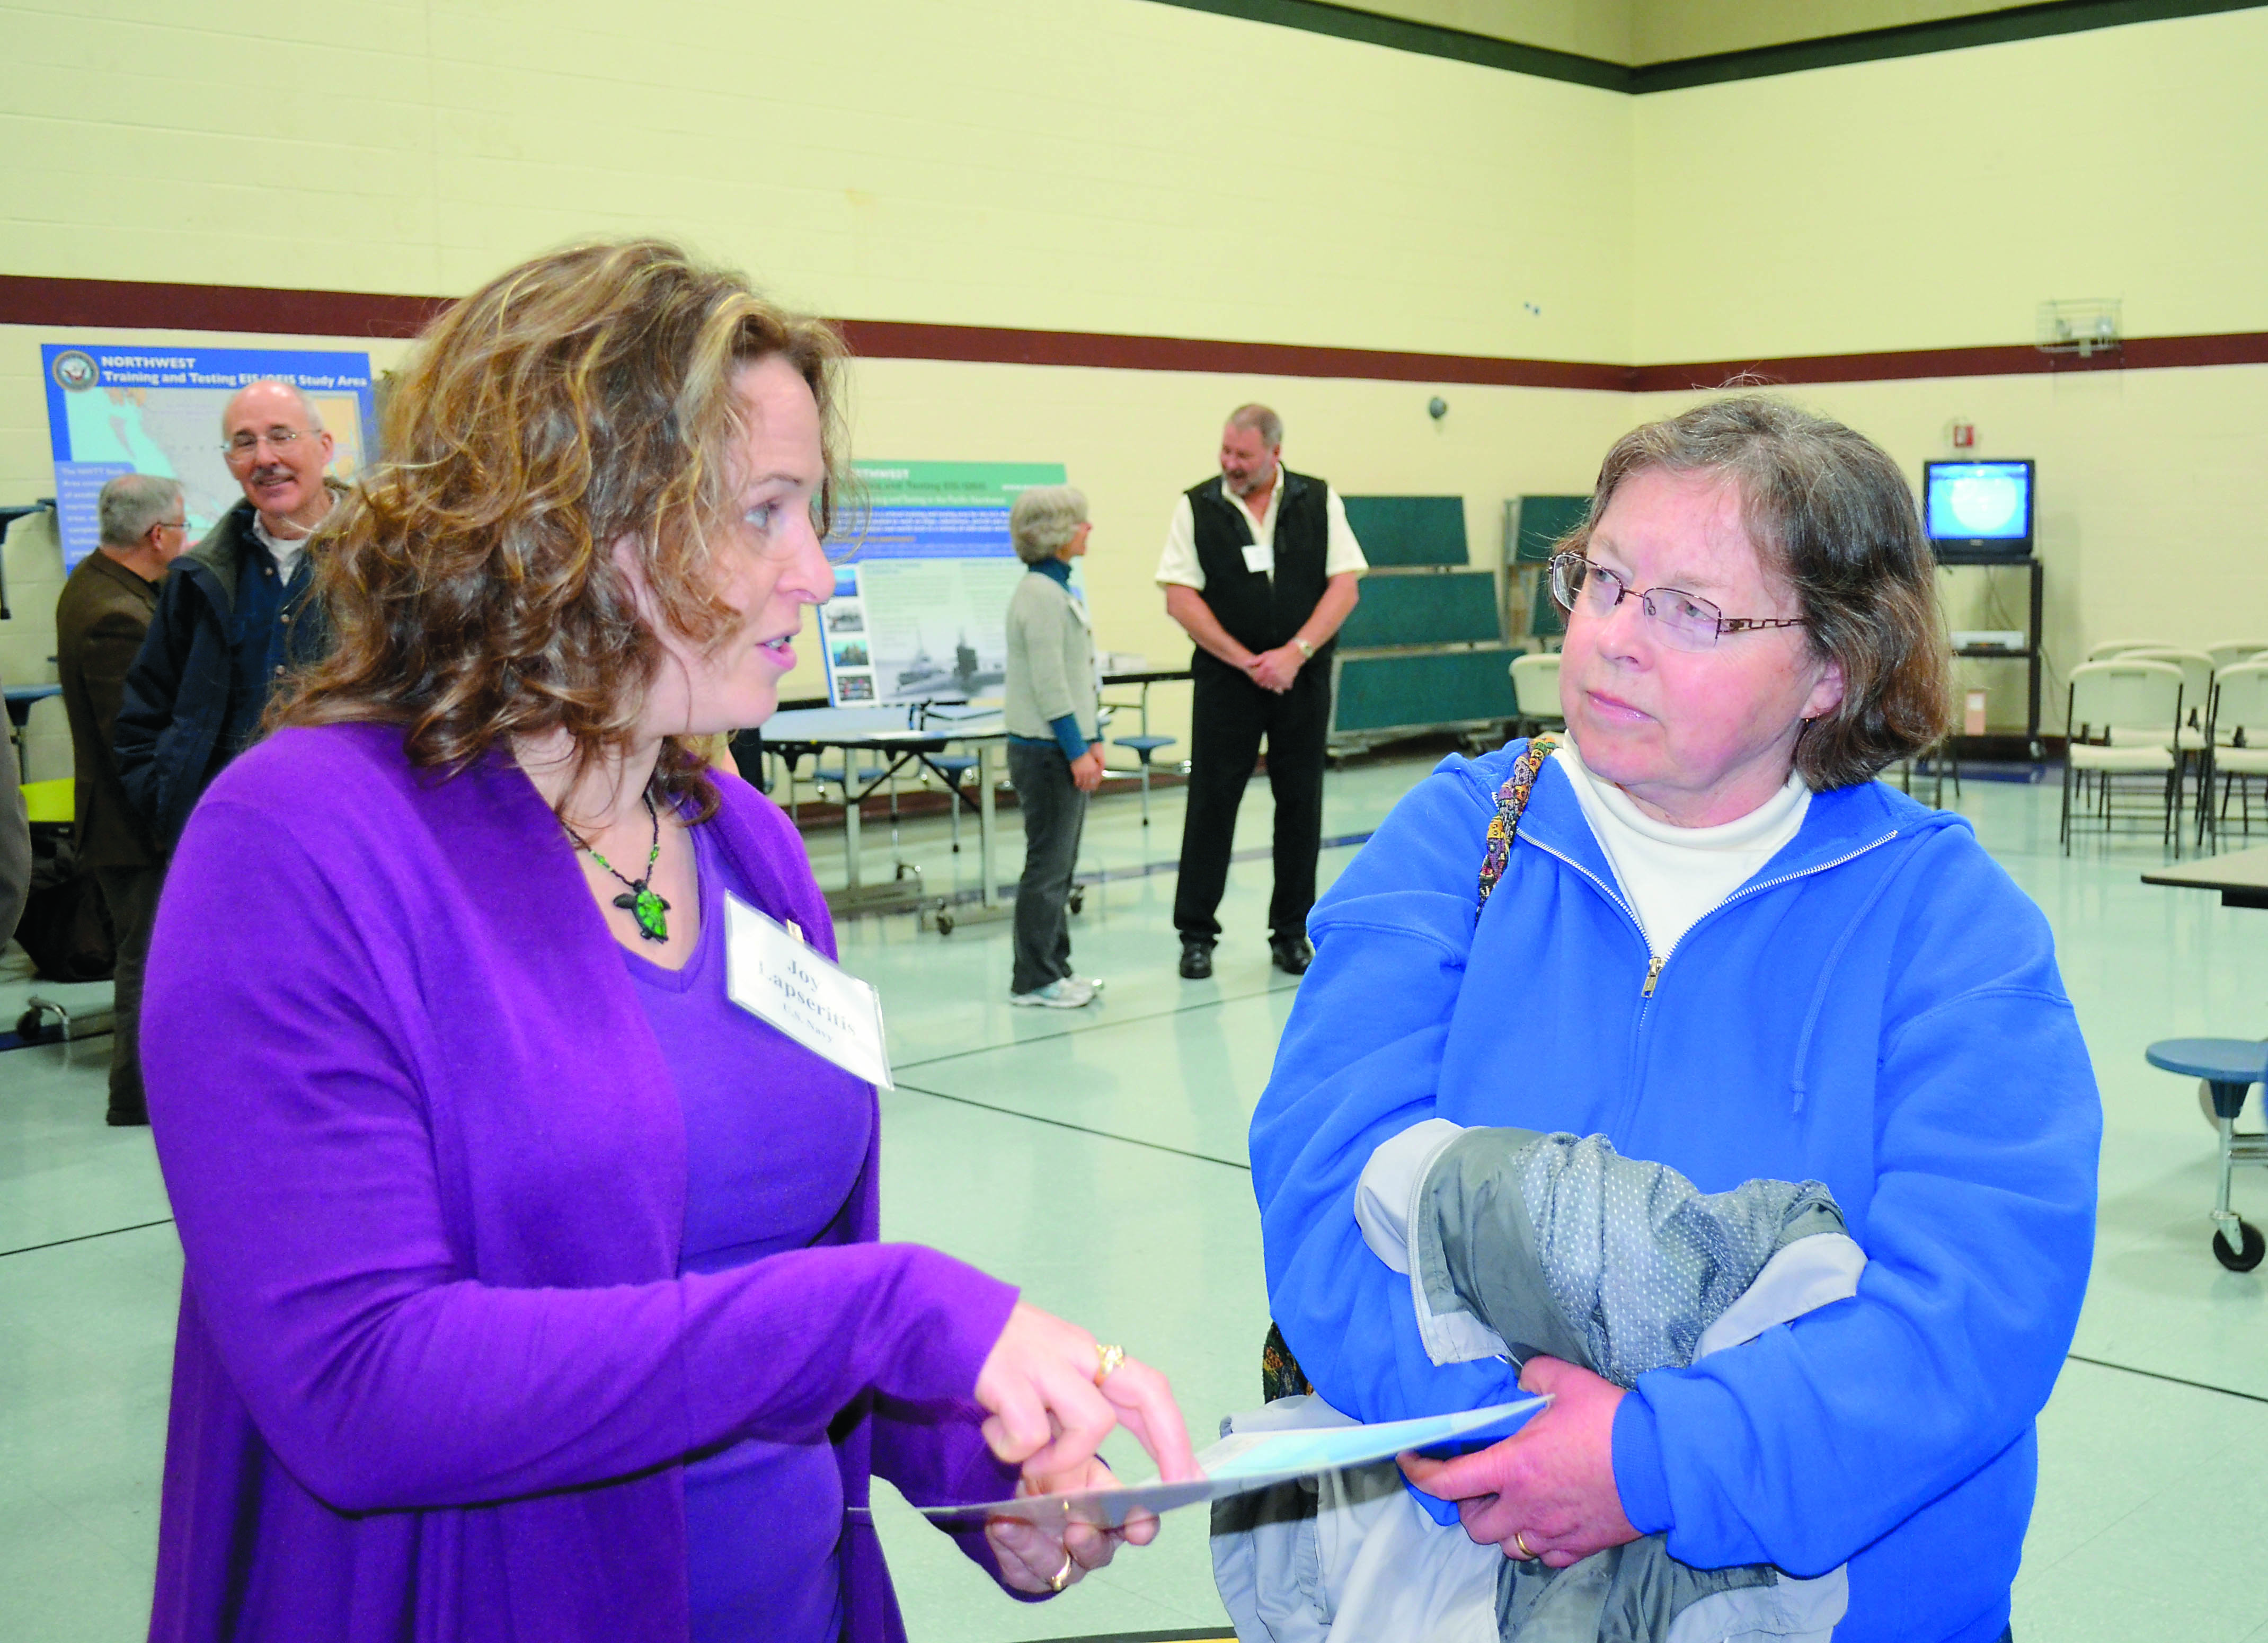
(1511, 800)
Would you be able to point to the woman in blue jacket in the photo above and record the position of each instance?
(1699, 928)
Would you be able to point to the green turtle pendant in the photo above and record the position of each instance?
(651, 911)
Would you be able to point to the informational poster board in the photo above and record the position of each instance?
(155, 409)
(924, 574)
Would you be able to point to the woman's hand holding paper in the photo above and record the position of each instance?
(1048, 1407)
(1034, 1559)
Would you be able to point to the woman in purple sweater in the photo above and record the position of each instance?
(533, 1288)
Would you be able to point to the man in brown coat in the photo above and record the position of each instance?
(105, 610)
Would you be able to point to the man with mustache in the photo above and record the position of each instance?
(1259, 570)
(234, 615)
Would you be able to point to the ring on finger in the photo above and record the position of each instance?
(1061, 1577)
(1108, 1359)
(1520, 1541)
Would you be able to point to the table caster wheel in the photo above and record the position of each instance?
(1078, 902)
(944, 924)
(2241, 1260)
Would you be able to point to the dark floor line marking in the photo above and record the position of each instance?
(1114, 875)
(2153, 1375)
(1098, 1024)
(109, 1232)
(1065, 1123)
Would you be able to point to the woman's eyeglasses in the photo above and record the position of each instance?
(1685, 622)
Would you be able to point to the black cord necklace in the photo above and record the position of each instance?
(638, 899)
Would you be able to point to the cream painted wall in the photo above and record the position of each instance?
(1081, 164)
(1936, 202)
(1589, 28)
(1662, 31)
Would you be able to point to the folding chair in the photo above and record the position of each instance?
(1535, 693)
(2192, 741)
(2237, 730)
(2124, 720)
(2229, 652)
(2109, 648)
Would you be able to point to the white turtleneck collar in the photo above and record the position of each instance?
(1675, 876)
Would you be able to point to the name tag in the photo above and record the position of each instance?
(775, 976)
(1259, 559)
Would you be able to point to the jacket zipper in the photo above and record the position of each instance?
(1654, 964)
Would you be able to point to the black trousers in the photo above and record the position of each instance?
(1055, 813)
(131, 895)
(1229, 714)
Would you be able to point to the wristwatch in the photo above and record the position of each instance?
(1306, 649)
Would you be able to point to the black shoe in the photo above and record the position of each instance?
(1292, 954)
(123, 1118)
(1196, 959)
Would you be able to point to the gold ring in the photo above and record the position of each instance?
(1109, 1357)
(1061, 1577)
(1520, 1541)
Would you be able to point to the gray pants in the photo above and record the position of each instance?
(1055, 811)
(131, 895)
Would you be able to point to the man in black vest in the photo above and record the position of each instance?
(1260, 568)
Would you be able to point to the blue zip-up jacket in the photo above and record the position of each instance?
(1878, 1009)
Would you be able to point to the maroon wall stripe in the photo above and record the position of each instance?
(2140, 353)
(25, 301)
(890, 339)
(135, 304)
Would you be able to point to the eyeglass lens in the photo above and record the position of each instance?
(1683, 620)
(245, 443)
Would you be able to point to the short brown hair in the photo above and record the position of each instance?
(1827, 510)
(582, 399)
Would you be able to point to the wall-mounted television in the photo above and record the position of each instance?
(1979, 508)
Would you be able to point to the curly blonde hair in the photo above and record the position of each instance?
(583, 399)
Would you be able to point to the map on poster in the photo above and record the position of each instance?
(922, 582)
(155, 409)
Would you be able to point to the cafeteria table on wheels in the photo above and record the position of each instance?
(876, 744)
(2226, 1068)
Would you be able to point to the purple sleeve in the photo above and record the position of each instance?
(303, 1173)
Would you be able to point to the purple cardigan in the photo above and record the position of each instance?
(435, 1373)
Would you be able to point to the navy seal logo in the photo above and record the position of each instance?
(75, 371)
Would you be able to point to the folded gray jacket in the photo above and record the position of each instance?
(1518, 1242)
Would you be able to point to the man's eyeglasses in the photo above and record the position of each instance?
(1685, 622)
(246, 445)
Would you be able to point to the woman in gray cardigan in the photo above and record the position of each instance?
(1055, 759)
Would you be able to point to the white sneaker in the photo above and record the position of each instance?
(1069, 993)
(1095, 984)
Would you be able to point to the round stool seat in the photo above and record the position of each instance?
(960, 764)
(1144, 746)
(2216, 1060)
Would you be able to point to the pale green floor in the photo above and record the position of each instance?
(1096, 1159)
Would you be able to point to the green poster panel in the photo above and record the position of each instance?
(1458, 608)
(1409, 530)
(1543, 520)
(1389, 693)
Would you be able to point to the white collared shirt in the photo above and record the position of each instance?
(1179, 562)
